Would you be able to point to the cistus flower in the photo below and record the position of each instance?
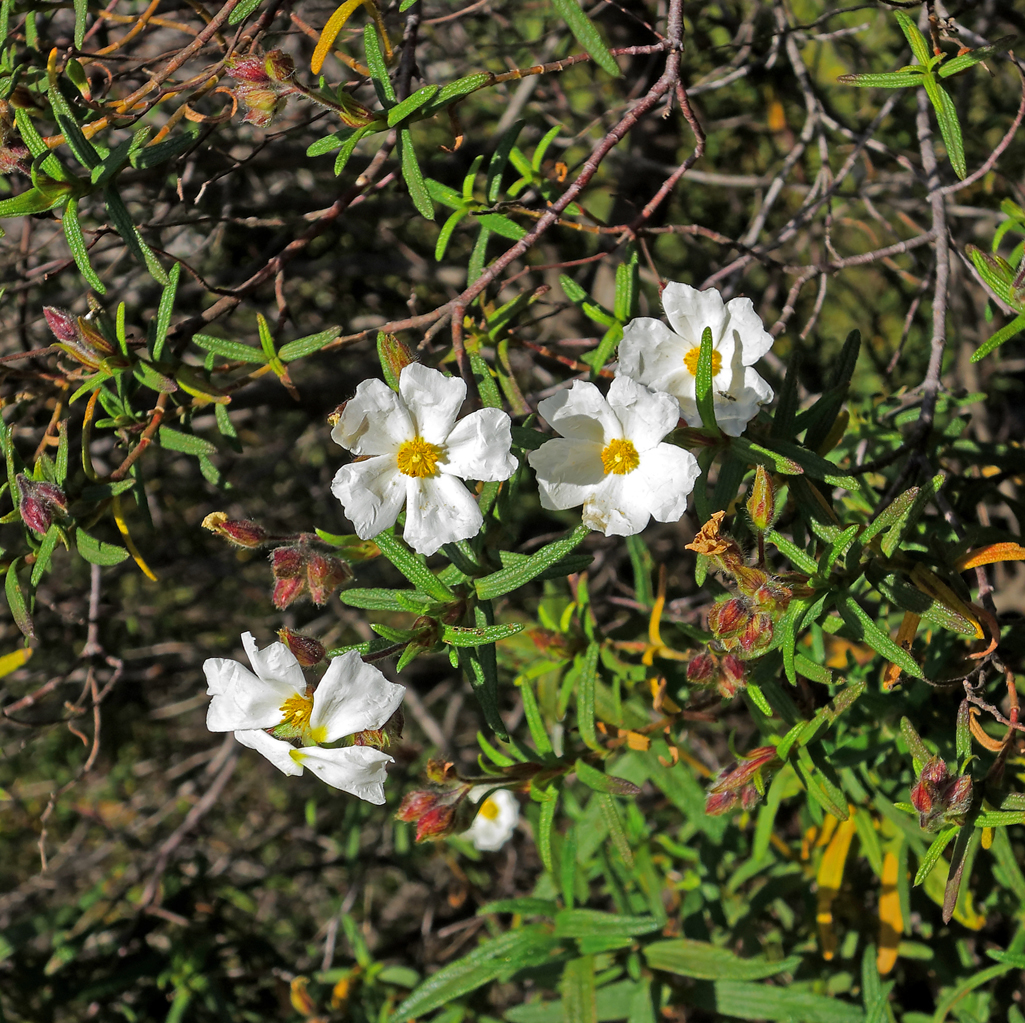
(495, 822)
(667, 360)
(39, 503)
(611, 459)
(351, 697)
(411, 451)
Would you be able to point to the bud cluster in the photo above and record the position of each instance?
(939, 796)
(300, 571)
(40, 503)
(741, 785)
(76, 336)
(263, 85)
(743, 624)
(436, 811)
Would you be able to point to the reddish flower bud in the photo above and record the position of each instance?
(415, 804)
(959, 796)
(279, 66)
(288, 562)
(325, 575)
(248, 69)
(440, 772)
(394, 356)
(703, 670)
(750, 797)
(240, 532)
(749, 580)
(728, 618)
(934, 771)
(436, 823)
(733, 676)
(39, 503)
(757, 636)
(287, 591)
(761, 502)
(262, 103)
(63, 324)
(719, 803)
(307, 650)
(921, 797)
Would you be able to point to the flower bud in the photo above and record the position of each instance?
(934, 771)
(240, 532)
(325, 575)
(63, 324)
(252, 69)
(288, 562)
(279, 66)
(728, 619)
(438, 822)
(39, 503)
(750, 797)
(307, 650)
(761, 502)
(703, 670)
(394, 356)
(262, 103)
(959, 796)
(440, 772)
(733, 676)
(718, 803)
(921, 797)
(415, 804)
(757, 637)
(287, 591)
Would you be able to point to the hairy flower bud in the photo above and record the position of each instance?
(288, 562)
(728, 619)
(324, 576)
(438, 822)
(719, 803)
(921, 797)
(757, 636)
(959, 796)
(394, 355)
(251, 69)
(732, 677)
(415, 804)
(279, 66)
(39, 503)
(306, 649)
(64, 325)
(287, 591)
(703, 670)
(761, 502)
(240, 532)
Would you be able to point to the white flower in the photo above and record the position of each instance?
(413, 452)
(610, 459)
(495, 822)
(351, 697)
(667, 360)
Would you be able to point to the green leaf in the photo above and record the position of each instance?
(940, 842)
(456, 635)
(164, 310)
(919, 47)
(35, 201)
(243, 10)
(234, 350)
(98, 552)
(703, 383)
(378, 68)
(499, 583)
(163, 152)
(602, 782)
(966, 60)
(330, 143)
(1010, 330)
(45, 553)
(815, 466)
(410, 104)
(887, 80)
(37, 147)
(865, 629)
(703, 961)
(304, 346)
(187, 443)
(730, 998)
(79, 250)
(349, 145)
(578, 991)
(412, 566)
(794, 554)
(526, 906)
(445, 236)
(587, 680)
(16, 600)
(413, 176)
(499, 159)
(587, 35)
(456, 90)
(125, 226)
(549, 799)
(81, 11)
(381, 600)
(614, 822)
(950, 128)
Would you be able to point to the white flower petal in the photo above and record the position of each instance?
(372, 493)
(359, 770)
(668, 474)
(749, 331)
(374, 421)
(433, 400)
(646, 417)
(689, 311)
(242, 699)
(478, 448)
(352, 697)
(277, 751)
(581, 413)
(567, 471)
(650, 352)
(619, 505)
(735, 413)
(494, 824)
(439, 510)
(274, 663)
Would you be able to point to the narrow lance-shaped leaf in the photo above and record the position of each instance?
(587, 35)
(950, 128)
(703, 383)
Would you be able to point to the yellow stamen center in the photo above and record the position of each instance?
(620, 457)
(419, 458)
(690, 360)
(489, 810)
(296, 711)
